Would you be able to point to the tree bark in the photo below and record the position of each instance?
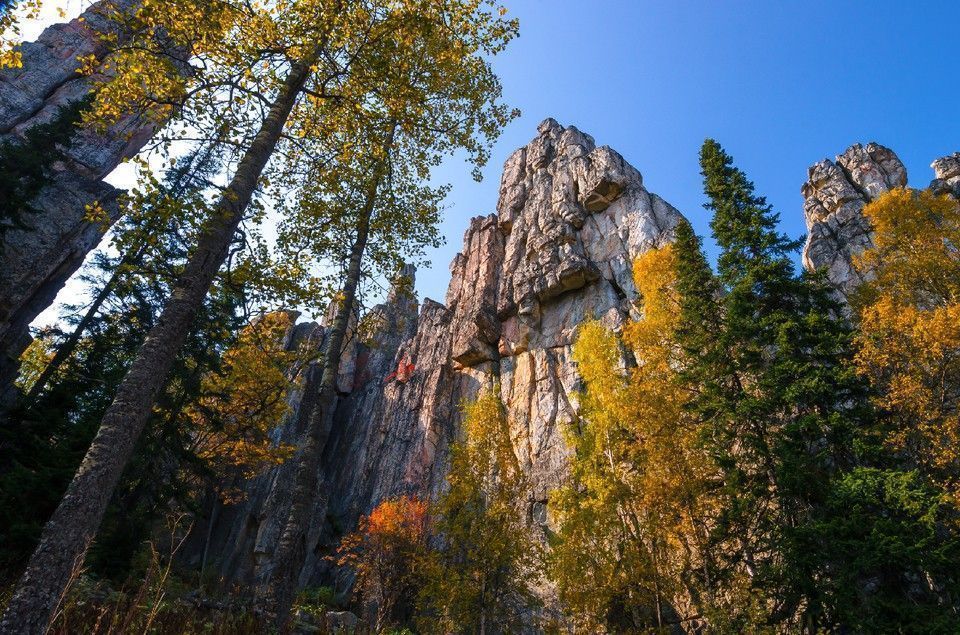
(277, 594)
(68, 533)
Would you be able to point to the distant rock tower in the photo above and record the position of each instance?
(835, 194)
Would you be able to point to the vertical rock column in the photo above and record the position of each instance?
(571, 218)
(946, 171)
(834, 197)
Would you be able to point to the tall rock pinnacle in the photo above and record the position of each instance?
(571, 218)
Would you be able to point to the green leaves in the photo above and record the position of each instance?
(885, 536)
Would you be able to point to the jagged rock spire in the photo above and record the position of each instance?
(571, 217)
(946, 172)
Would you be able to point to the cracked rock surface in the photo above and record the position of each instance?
(571, 217)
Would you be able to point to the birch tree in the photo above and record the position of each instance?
(260, 74)
(437, 95)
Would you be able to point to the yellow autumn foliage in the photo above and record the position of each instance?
(480, 579)
(11, 20)
(633, 518)
(909, 327)
(32, 362)
(247, 400)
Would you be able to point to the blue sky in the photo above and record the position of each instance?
(780, 85)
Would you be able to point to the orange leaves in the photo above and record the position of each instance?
(386, 552)
(396, 524)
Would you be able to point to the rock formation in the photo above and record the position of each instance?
(946, 171)
(35, 263)
(834, 197)
(570, 219)
(835, 194)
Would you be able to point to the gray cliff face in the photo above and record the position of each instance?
(36, 263)
(571, 218)
(835, 194)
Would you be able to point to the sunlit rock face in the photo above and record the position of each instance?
(35, 263)
(946, 171)
(835, 194)
(834, 197)
(571, 218)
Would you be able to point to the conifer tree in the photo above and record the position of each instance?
(318, 65)
(782, 404)
(50, 429)
(25, 164)
(818, 525)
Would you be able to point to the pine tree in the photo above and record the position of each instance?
(51, 429)
(326, 71)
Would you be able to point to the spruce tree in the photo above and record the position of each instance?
(766, 352)
(49, 433)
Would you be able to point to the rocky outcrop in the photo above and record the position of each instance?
(835, 194)
(571, 218)
(834, 197)
(35, 263)
(946, 172)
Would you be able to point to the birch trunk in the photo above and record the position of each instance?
(277, 595)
